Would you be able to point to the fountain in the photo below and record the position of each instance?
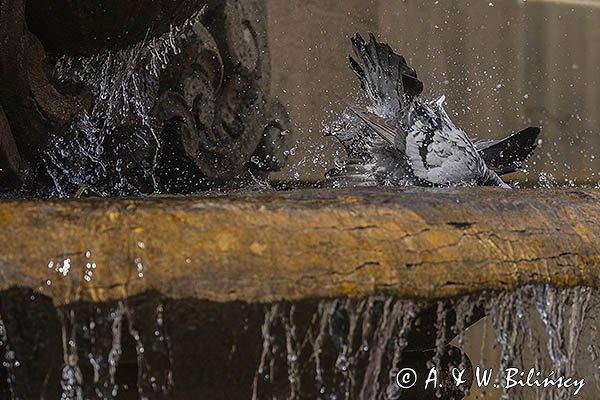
(183, 96)
(373, 277)
(112, 286)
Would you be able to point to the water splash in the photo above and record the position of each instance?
(370, 161)
(124, 82)
(124, 85)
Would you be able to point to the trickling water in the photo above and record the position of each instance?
(9, 362)
(147, 328)
(506, 310)
(105, 339)
(329, 349)
(357, 346)
(342, 336)
(72, 379)
(562, 312)
(549, 343)
(91, 342)
(390, 338)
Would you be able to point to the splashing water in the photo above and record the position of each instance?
(371, 162)
(367, 154)
(124, 85)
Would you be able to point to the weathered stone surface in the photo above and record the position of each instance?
(303, 244)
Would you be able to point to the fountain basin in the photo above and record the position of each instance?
(264, 247)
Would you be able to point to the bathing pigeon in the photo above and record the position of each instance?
(415, 140)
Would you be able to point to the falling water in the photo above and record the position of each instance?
(146, 326)
(548, 343)
(9, 362)
(356, 347)
(72, 379)
(124, 85)
(562, 313)
(342, 336)
(327, 349)
(91, 351)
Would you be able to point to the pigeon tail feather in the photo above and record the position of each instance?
(509, 154)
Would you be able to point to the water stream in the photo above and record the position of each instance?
(327, 349)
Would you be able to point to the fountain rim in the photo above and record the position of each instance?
(272, 246)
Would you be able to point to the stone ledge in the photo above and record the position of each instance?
(261, 247)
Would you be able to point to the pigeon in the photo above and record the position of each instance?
(415, 142)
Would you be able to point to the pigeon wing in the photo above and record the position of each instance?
(384, 75)
(383, 128)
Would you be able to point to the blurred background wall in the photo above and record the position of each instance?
(502, 64)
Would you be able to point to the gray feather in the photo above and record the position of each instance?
(420, 143)
(509, 154)
(385, 76)
(379, 125)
